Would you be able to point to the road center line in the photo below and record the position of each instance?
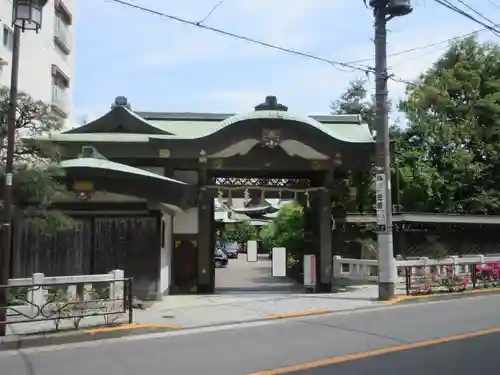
(373, 353)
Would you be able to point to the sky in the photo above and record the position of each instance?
(164, 65)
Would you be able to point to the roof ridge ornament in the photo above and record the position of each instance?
(121, 101)
(91, 152)
(271, 104)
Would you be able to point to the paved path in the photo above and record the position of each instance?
(241, 276)
(253, 347)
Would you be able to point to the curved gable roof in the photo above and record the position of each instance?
(351, 133)
(119, 119)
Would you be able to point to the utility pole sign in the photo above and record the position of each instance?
(383, 11)
(380, 182)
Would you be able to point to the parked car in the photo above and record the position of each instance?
(220, 259)
(231, 250)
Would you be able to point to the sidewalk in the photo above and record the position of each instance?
(227, 308)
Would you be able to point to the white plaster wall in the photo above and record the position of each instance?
(187, 221)
(37, 54)
(166, 255)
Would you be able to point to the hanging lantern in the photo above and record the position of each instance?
(27, 14)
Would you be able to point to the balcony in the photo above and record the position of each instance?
(62, 35)
(60, 101)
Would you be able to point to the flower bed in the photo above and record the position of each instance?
(447, 279)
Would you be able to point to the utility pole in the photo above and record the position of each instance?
(384, 10)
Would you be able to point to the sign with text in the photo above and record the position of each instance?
(380, 182)
(252, 251)
(309, 270)
(279, 261)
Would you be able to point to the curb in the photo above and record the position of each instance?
(442, 296)
(15, 342)
(297, 314)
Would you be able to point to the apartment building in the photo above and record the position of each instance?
(47, 58)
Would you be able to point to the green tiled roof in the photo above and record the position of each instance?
(192, 126)
(348, 132)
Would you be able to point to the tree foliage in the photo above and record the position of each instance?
(360, 195)
(241, 232)
(287, 230)
(447, 156)
(451, 148)
(36, 176)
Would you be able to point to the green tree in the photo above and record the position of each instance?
(288, 227)
(360, 195)
(450, 151)
(356, 100)
(37, 179)
(241, 232)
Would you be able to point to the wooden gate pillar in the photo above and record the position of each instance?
(324, 256)
(206, 269)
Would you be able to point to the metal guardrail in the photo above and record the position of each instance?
(58, 305)
(437, 279)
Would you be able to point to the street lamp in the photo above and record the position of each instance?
(26, 15)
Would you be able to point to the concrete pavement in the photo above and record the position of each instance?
(254, 347)
(241, 276)
(247, 291)
(207, 310)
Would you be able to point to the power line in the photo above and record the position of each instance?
(214, 8)
(365, 69)
(455, 9)
(402, 52)
(336, 64)
(476, 12)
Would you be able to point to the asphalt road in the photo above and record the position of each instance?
(254, 347)
(460, 357)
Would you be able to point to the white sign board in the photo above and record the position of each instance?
(279, 261)
(252, 251)
(309, 270)
(380, 182)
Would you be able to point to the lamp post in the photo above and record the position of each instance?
(384, 10)
(26, 15)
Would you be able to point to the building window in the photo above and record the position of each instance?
(63, 12)
(59, 78)
(8, 37)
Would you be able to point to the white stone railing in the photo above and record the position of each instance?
(38, 288)
(367, 270)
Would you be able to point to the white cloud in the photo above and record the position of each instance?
(279, 22)
(196, 70)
